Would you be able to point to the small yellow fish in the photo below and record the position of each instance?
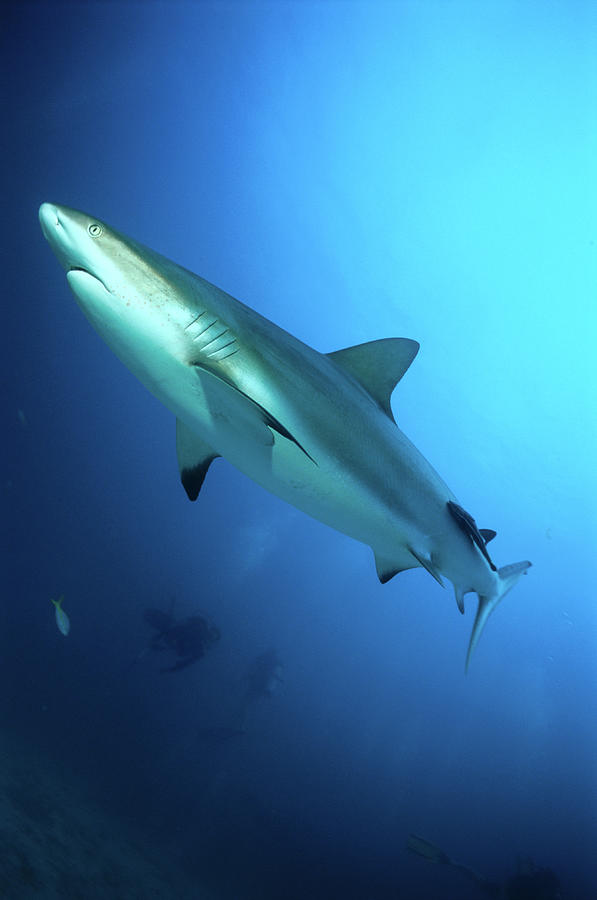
(62, 619)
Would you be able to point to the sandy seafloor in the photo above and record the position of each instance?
(57, 840)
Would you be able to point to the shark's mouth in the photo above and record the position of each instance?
(87, 273)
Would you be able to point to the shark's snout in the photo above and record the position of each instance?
(48, 219)
(63, 233)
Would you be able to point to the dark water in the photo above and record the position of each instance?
(352, 171)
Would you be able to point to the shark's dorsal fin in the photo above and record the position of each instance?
(194, 459)
(487, 534)
(378, 366)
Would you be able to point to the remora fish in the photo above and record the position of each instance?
(316, 429)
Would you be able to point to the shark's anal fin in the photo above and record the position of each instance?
(258, 410)
(468, 525)
(378, 366)
(194, 459)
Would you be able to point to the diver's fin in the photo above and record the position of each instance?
(508, 576)
(254, 415)
(387, 568)
(487, 534)
(378, 366)
(468, 525)
(194, 459)
(426, 562)
(433, 854)
(427, 850)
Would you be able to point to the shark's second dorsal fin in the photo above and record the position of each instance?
(378, 366)
(194, 459)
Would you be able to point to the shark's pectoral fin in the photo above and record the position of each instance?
(250, 414)
(378, 366)
(277, 426)
(387, 568)
(194, 459)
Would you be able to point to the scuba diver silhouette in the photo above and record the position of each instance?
(188, 638)
(529, 883)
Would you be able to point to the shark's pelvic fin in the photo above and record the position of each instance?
(255, 414)
(469, 527)
(194, 459)
(459, 599)
(387, 568)
(378, 366)
(508, 576)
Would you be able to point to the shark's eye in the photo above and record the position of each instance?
(95, 230)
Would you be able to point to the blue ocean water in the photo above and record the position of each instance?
(352, 170)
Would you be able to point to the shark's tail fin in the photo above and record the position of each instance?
(507, 578)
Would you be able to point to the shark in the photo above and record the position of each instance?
(316, 429)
